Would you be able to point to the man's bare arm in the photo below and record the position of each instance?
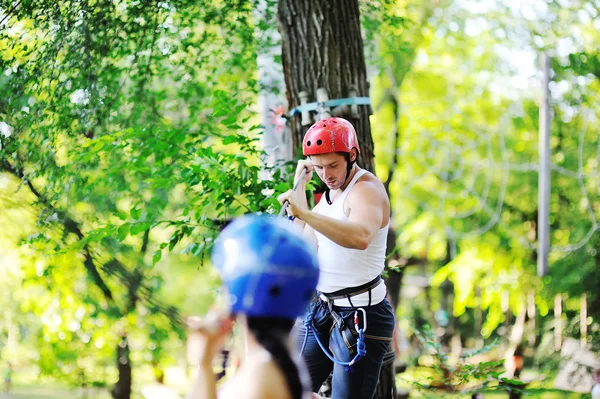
(309, 233)
(364, 222)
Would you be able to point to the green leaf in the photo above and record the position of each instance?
(510, 381)
(230, 120)
(156, 257)
(123, 231)
(135, 213)
(137, 228)
(221, 111)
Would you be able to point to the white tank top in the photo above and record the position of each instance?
(344, 267)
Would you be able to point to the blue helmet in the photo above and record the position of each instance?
(269, 269)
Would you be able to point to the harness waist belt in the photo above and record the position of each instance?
(353, 291)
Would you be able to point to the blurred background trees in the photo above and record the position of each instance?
(129, 131)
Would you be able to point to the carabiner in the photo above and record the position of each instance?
(364, 320)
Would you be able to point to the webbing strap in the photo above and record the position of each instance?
(330, 103)
(353, 291)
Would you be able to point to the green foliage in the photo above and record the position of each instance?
(128, 138)
(455, 125)
(463, 376)
(131, 129)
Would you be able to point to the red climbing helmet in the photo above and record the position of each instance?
(330, 135)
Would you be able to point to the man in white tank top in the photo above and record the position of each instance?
(349, 225)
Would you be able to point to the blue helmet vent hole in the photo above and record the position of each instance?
(275, 291)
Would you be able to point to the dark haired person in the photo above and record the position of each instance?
(349, 328)
(270, 272)
(596, 386)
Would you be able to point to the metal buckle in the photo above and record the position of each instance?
(364, 312)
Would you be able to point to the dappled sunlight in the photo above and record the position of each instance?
(130, 135)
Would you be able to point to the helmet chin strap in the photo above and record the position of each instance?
(349, 165)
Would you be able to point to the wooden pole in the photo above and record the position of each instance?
(583, 320)
(531, 314)
(557, 322)
(543, 247)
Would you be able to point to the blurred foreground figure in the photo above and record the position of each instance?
(596, 388)
(271, 274)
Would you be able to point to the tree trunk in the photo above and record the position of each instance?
(394, 279)
(513, 357)
(122, 389)
(322, 47)
(447, 302)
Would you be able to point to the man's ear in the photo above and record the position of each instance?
(353, 155)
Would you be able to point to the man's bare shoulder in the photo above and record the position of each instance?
(369, 184)
(369, 195)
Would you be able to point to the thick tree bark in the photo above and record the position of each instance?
(322, 47)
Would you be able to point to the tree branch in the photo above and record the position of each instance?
(134, 283)
(8, 14)
(395, 142)
(69, 224)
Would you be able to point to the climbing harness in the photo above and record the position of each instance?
(328, 299)
(361, 346)
(347, 293)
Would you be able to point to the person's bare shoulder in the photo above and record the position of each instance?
(369, 191)
(369, 185)
(371, 178)
(262, 382)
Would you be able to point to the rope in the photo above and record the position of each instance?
(361, 346)
(286, 203)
